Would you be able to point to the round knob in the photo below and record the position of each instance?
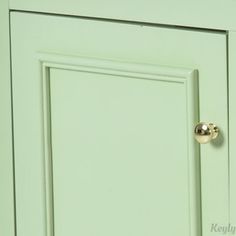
(205, 132)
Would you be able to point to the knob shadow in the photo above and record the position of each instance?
(219, 141)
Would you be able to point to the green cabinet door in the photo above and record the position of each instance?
(104, 114)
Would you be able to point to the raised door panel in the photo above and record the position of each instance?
(108, 149)
(104, 132)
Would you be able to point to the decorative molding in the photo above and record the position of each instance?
(186, 77)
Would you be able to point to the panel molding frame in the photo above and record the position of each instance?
(187, 77)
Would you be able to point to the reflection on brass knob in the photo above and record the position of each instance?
(205, 132)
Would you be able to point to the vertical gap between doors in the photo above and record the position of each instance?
(12, 124)
(228, 119)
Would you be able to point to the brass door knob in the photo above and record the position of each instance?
(205, 132)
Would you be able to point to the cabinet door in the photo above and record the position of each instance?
(104, 114)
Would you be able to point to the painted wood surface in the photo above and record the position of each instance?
(127, 43)
(6, 172)
(218, 14)
(232, 125)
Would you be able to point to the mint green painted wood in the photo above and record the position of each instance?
(6, 173)
(232, 126)
(218, 14)
(32, 34)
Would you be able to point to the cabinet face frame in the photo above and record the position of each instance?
(7, 226)
(213, 14)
